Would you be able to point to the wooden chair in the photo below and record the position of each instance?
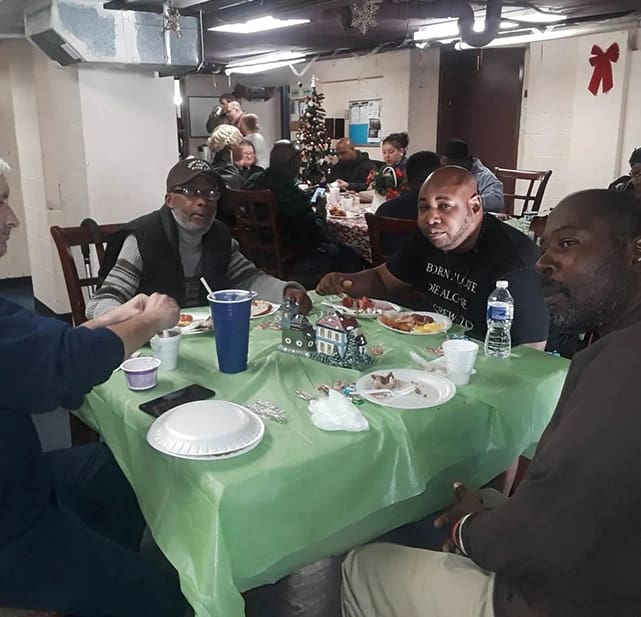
(89, 235)
(379, 226)
(259, 234)
(532, 197)
(537, 227)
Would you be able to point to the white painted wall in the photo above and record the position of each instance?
(90, 142)
(385, 76)
(128, 131)
(632, 119)
(422, 122)
(16, 262)
(567, 129)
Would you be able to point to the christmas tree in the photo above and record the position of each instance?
(312, 138)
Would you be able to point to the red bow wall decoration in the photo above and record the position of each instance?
(602, 62)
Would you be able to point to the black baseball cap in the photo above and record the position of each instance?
(187, 169)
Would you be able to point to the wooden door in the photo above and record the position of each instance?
(480, 102)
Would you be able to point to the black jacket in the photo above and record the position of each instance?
(157, 237)
(354, 172)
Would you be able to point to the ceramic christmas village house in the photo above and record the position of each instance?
(335, 340)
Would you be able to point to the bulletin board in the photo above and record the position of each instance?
(199, 109)
(365, 122)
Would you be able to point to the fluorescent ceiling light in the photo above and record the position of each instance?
(523, 39)
(287, 56)
(440, 30)
(449, 30)
(260, 24)
(533, 17)
(259, 68)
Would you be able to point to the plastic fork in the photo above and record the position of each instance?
(391, 393)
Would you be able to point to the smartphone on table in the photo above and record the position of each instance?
(193, 392)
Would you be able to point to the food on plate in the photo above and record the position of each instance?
(365, 305)
(336, 211)
(411, 322)
(189, 325)
(185, 319)
(260, 307)
(387, 382)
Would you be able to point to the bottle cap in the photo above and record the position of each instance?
(502, 284)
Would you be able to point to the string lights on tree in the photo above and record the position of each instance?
(312, 138)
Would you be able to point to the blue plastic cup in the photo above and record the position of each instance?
(230, 310)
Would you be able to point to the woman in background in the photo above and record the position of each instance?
(394, 150)
(250, 127)
(245, 160)
(223, 141)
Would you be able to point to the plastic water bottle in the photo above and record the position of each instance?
(500, 312)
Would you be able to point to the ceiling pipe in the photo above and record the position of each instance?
(447, 9)
(492, 24)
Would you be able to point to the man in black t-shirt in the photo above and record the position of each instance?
(455, 259)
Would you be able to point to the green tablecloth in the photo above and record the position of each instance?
(304, 494)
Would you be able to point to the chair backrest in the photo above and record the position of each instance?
(532, 197)
(537, 226)
(379, 226)
(257, 229)
(88, 236)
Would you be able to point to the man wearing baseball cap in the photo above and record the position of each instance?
(170, 249)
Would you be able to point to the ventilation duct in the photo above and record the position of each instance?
(72, 31)
(448, 9)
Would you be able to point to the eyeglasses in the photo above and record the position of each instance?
(636, 174)
(187, 191)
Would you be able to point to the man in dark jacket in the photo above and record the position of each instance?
(170, 249)
(70, 525)
(301, 227)
(352, 169)
(565, 544)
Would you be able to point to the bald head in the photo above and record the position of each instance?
(618, 212)
(591, 265)
(451, 176)
(345, 150)
(450, 213)
(285, 159)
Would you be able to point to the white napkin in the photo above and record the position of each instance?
(337, 413)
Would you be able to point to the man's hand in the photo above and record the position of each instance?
(334, 283)
(162, 311)
(128, 309)
(300, 297)
(466, 502)
(342, 184)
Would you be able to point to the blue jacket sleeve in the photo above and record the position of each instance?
(46, 363)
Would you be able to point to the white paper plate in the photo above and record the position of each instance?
(434, 389)
(442, 320)
(188, 330)
(206, 428)
(348, 216)
(381, 306)
(212, 457)
(273, 308)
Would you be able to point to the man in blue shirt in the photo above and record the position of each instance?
(70, 526)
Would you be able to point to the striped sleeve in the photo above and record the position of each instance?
(243, 274)
(122, 282)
